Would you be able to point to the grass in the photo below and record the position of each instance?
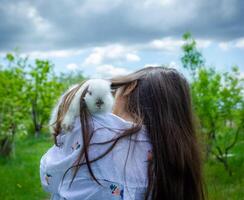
(20, 174)
(220, 185)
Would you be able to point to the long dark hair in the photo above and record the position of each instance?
(159, 99)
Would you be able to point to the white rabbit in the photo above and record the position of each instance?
(98, 99)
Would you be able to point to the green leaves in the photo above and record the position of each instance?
(218, 102)
(42, 91)
(28, 92)
(13, 107)
(10, 57)
(192, 59)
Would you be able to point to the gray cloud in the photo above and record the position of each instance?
(61, 24)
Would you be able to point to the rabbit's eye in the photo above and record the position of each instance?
(89, 92)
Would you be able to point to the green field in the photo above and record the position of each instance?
(20, 174)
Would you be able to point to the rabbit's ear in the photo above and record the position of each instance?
(129, 88)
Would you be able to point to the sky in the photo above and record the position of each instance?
(105, 38)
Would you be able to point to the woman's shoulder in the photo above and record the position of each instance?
(112, 124)
(111, 120)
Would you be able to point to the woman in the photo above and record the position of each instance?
(145, 149)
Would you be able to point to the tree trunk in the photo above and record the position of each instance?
(5, 146)
(6, 143)
(37, 126)
(38, 129)
(224, 160)
(227, 167)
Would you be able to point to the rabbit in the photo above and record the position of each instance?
(98, 99)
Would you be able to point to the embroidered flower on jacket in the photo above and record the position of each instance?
(47, 178)
(75, 146)
(60, 144)
(116, 191)
(149, 156)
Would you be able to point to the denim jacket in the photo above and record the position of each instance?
(122, 173)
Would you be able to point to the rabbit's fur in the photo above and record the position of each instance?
(98, 99)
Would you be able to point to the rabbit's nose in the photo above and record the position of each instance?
(99, 103)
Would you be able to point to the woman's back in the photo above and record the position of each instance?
(122, 173)
(156, 99)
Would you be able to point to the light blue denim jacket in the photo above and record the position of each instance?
(122, 173)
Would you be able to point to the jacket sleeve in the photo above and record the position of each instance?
(55, 162)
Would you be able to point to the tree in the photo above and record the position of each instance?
(192, 58)
(28, 92)
(218, 102)
(13, 107)
(43, 90)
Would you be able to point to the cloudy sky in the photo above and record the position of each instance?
(111, 37)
